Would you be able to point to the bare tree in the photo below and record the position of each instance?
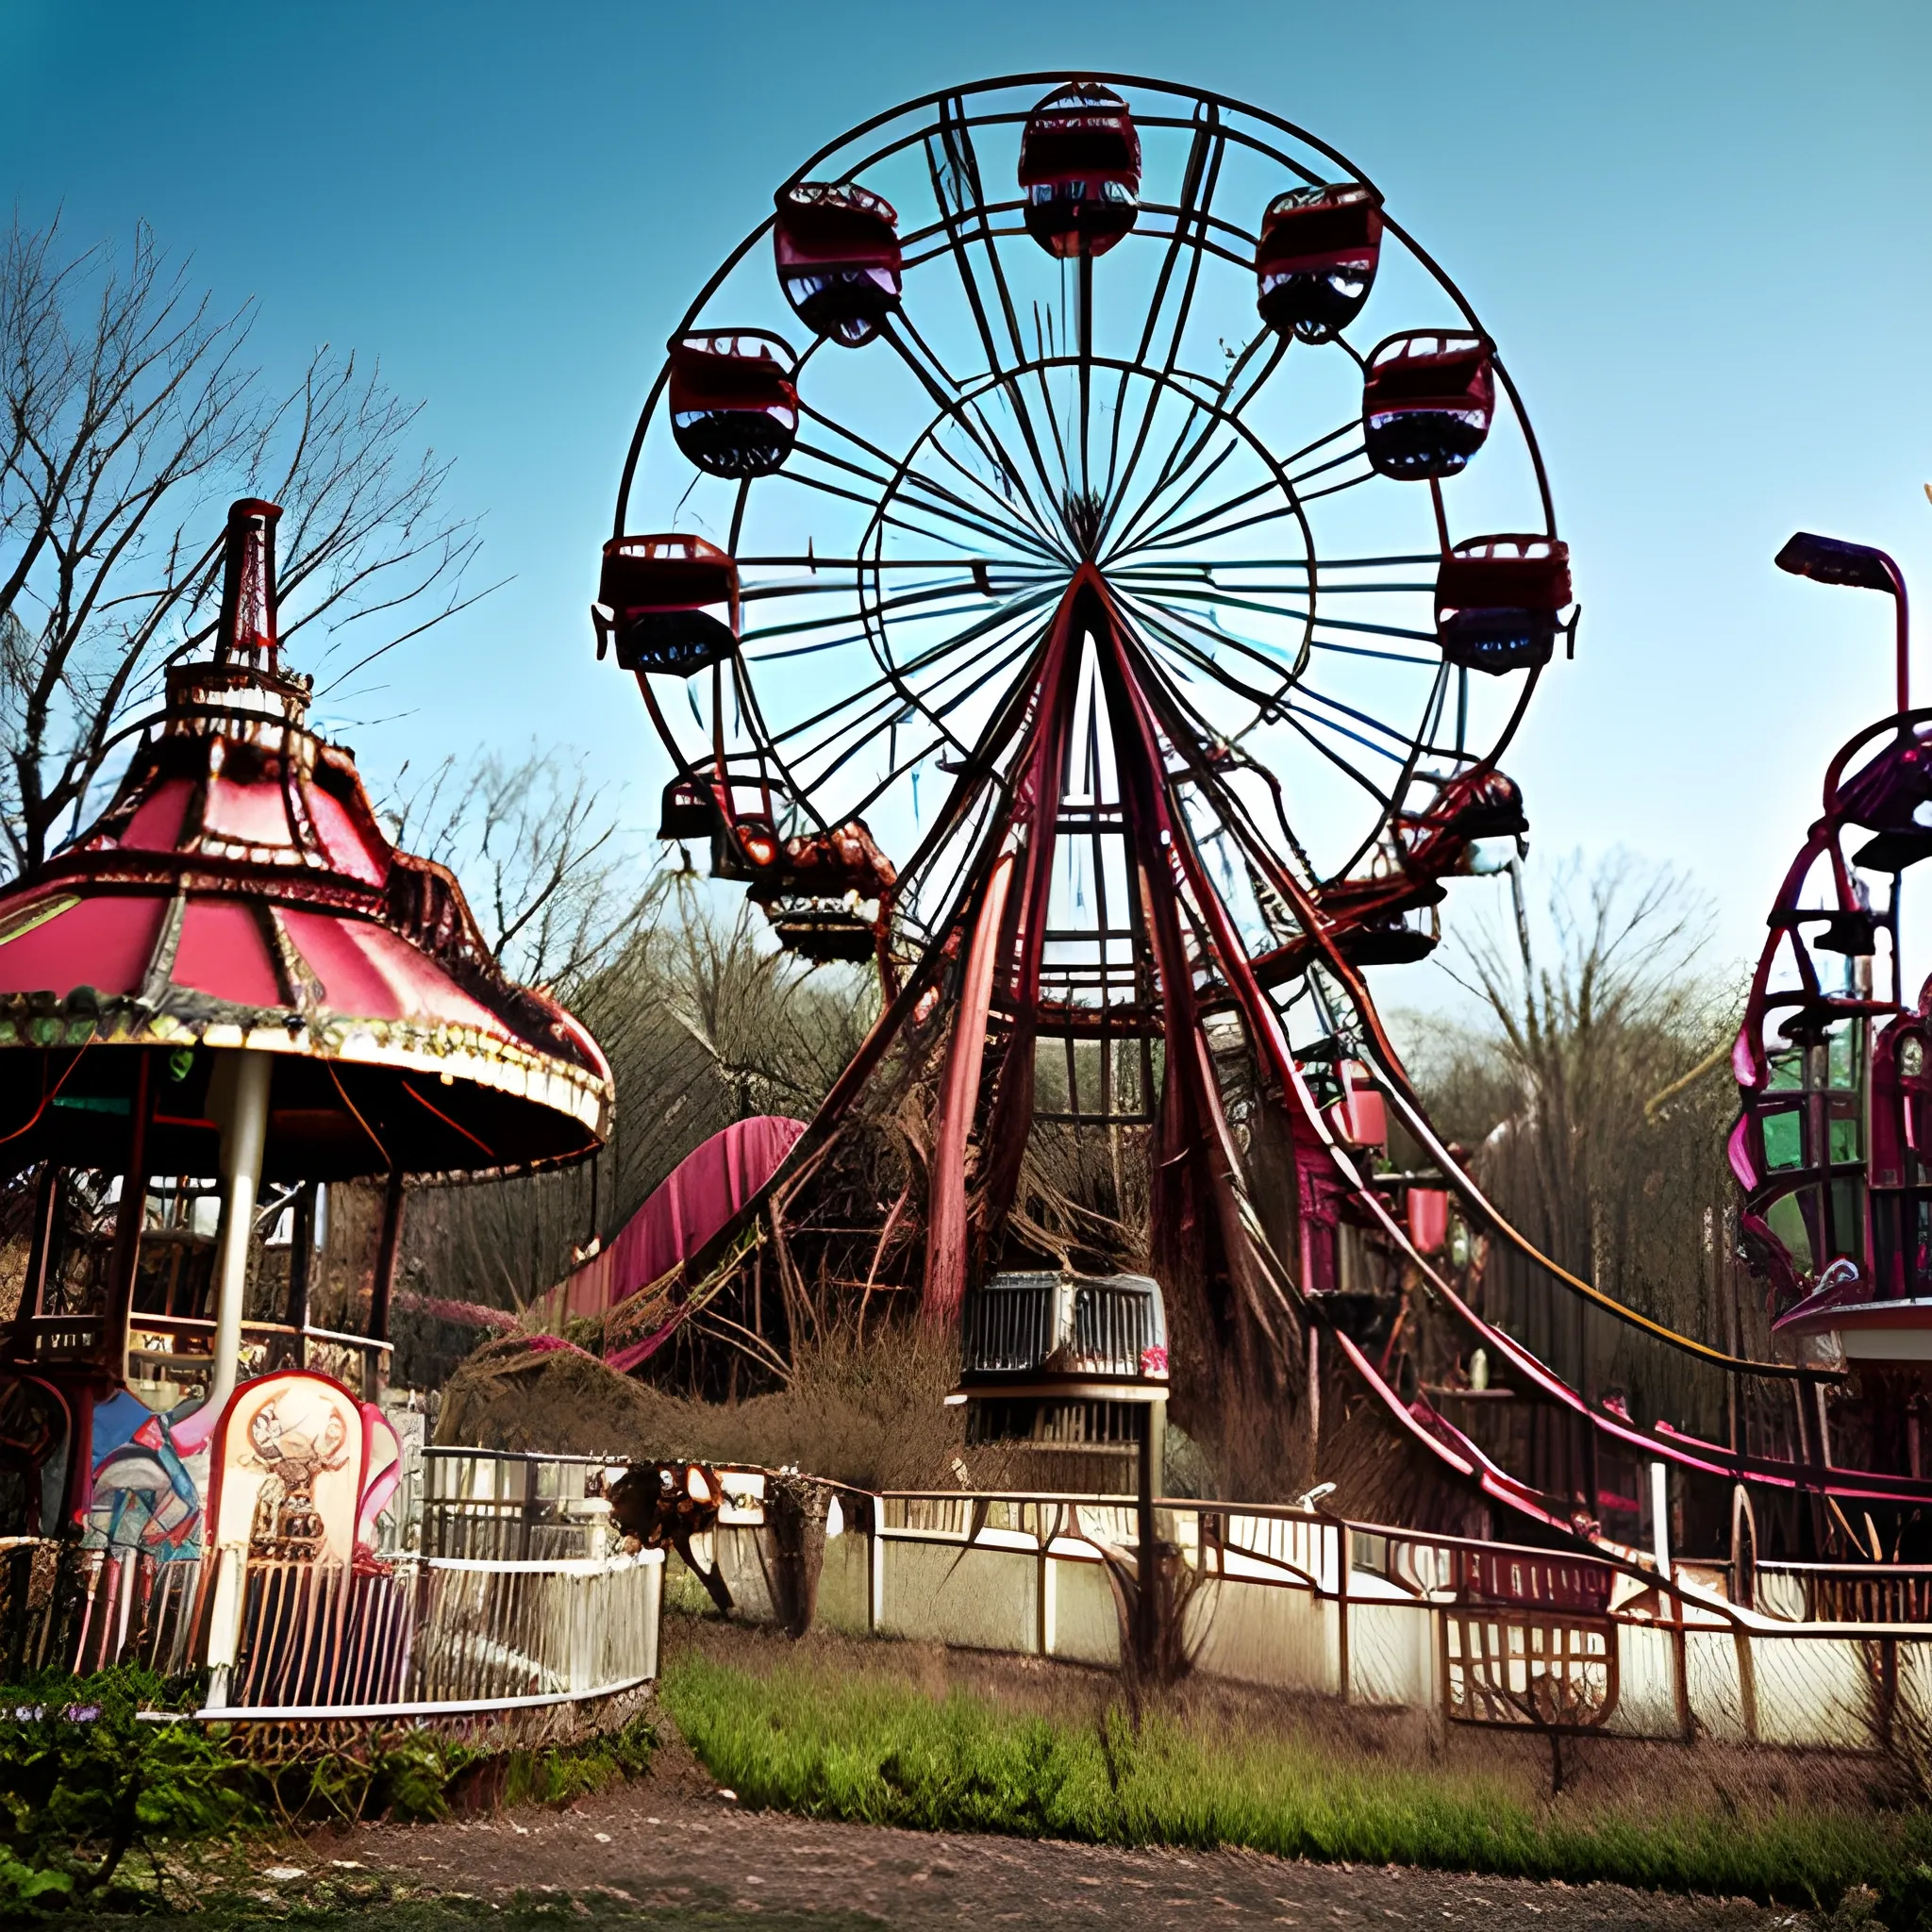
(131, 413)
(559, 890)
(1593, 1092)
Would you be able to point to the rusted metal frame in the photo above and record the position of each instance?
(900, 600)
(1199, 1127)
(1163, 533)
(1264, 700)
(1279, 707)
(1245, 437)
(1037, 365)
(1199, 179)
(1127, 542)
(977, 774)
(889, 677)
(1195, 580)
(935, 715)
(873, 536)
(959, 131)
(1242, 256)
(1007, 944)
(905, 765)
(1175, 462)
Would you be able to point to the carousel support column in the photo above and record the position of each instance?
(132, 1217)
(383, 1287)
(240, 1103)
(301, 1271)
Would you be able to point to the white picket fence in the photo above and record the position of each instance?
(1475, 1632)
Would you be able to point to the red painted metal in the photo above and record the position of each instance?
(837, 248)
(1316, 260)
(1080, 169)
(734, 404)
(1427, 402)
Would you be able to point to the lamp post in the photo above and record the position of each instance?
(1832, 560)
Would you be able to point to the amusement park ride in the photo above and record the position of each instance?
(1084, 556)
(1086, 562)
(234, 978)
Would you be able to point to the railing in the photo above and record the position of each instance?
(1847, 1592)
(507, 1508)
(392, 1636)
(1476, 1631)
(423, 1633)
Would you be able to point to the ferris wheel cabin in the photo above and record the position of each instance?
(838, 257)
(734, 402)
(1498, 600)
(1316, 260)
(828, 894)
(1080, 171)
(1427, 404)
(656, 600)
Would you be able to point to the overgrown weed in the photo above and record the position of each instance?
(892, 1745)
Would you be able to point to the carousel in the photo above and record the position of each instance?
(228, 992)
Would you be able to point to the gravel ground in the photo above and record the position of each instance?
(670, 1850)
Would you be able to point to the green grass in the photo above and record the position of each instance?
(870, 1749)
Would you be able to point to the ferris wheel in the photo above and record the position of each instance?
(1037, 333)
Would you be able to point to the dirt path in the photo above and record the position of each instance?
(670, 1850)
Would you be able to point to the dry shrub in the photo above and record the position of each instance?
(873, 1416)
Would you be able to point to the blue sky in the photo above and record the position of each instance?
(1701, 232)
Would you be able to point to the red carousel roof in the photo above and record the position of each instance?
(240, 892)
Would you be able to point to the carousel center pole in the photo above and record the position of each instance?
(242, 1112)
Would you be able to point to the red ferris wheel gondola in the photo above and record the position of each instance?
(1427, 402)
(1080, 168)
(1498, 600)
(838, 255)
(734, 404)
(655, 599)
(1316, 259)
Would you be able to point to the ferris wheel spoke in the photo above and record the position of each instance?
(960, 218)
(1222, 601)
(1201, 527)
(937, 381)
(767, 633)
(1001, 500)
(1225, 407)
(991, 533)
(1327, 751)
(945, 501)
(936, 715)
(1200, 179)
(1174, 626)
(1215, 406)
(1308, 694)
(1134, 536)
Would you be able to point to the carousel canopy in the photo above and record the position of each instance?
(239, 893)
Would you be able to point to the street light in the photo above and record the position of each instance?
(1832, 560)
